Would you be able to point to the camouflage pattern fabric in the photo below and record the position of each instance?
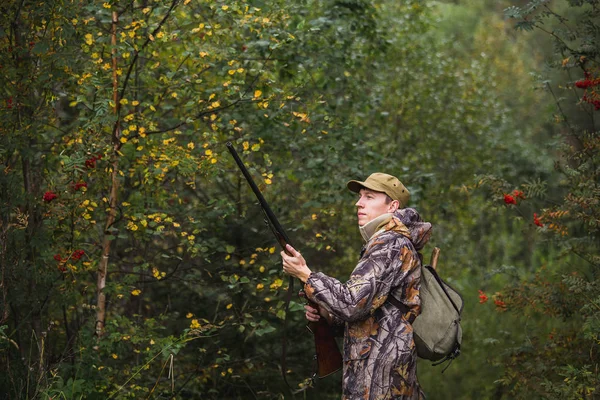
(379, 352)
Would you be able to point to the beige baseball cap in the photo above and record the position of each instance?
(385, 183)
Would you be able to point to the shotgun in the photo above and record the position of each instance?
(328, 356)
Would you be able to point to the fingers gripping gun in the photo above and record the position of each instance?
(328, 356)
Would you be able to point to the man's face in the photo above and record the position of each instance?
(372, 204)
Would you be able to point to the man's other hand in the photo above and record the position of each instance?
(312, 314)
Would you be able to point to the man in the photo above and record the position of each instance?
(379, 351)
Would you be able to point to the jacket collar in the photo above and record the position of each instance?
(370, 228)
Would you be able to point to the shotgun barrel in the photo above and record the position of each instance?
(329, 358)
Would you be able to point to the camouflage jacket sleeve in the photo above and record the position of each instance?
(387, 260)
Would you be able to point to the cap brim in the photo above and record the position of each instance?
(355, 186)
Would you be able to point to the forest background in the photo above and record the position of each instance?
(134, 262)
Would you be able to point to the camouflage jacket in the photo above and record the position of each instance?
(379, 351)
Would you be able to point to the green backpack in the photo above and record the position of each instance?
(437, 330)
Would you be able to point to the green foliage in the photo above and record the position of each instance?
(564, 290)
(114, 118)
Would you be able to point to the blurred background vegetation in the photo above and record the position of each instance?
(134, 260)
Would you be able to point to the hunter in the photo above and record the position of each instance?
(380, 358)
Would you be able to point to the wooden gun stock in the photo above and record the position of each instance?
(329, 358)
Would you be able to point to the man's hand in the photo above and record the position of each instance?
(312, 314)
(295, 264)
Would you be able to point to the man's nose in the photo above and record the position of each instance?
(359, 203)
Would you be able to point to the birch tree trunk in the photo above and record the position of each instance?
(114, 190)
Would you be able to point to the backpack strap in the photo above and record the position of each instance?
(402, 307)
(443, 286)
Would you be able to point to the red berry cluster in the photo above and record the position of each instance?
(536, 220)
(500, 304)
(91, 162)
(512, 198)
(49, 196)
(77, 254)
(61, 264)
(482, 297)
(508, 199)
(79, 185)
(588, 84)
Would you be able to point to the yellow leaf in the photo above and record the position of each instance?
(257, 94)
(136, 292)
(229, 306)
(189, 315)
(276, 283)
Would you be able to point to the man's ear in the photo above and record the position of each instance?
(394, 205)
